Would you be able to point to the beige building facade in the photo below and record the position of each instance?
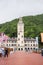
(20, 42)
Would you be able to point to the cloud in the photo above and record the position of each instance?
(11, 9)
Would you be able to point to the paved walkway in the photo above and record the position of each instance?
(22, 58)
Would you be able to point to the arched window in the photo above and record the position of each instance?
(21, 48)
(18, 48)
(28, 48)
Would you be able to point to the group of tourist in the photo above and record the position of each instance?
(4, 52)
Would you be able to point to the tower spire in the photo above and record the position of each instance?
(20, 20)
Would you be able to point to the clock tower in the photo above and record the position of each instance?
(20, 34)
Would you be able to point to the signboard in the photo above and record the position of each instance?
(41, 37)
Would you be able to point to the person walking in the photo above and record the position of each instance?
(6, 52)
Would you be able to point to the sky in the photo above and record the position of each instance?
(12, 9)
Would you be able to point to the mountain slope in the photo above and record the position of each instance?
(33, 26)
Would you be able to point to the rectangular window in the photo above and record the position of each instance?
(33, 44)
(12, 45)
(9, 44)
(6, 44)
(25, 41)
(18, 44)
(22, 36)
(31, 41)
(25, 44)
(22, 41)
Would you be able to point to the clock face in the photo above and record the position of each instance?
(20, 28)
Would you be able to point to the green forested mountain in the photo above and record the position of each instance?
(33, 26)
